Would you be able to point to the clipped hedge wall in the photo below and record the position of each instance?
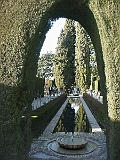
(23, 28)
(39, 86)
(45, 114)
(96, 108)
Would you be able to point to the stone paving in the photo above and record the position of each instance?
(40, 149)
(41, 101)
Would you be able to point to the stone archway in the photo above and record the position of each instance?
(24, 25)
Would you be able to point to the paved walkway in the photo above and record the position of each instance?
(41, 101)
(40, 149)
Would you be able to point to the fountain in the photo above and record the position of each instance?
(68, 145)
(69, 142)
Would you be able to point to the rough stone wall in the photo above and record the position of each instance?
(107, 16)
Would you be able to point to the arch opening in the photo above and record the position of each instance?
(29, 49)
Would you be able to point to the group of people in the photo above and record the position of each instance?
(53, 90)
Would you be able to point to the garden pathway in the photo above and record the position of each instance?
(40, 149)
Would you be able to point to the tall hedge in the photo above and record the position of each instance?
(23, 28)
(107, 17)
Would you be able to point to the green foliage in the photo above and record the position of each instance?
(96, 108)
(107, 15)
(23, 28)
(64, 58)
(45, 66)
(20, 45)
(39, 86)
(45, 114)
(82, 58)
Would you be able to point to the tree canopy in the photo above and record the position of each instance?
(85, 59)
(64, 70)
(45, 66)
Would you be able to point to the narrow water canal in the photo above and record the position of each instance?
(73, 118)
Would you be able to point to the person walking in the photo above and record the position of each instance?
(50, 91)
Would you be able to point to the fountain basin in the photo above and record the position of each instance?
(71, 142)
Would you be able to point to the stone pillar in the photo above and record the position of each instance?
(96, 86)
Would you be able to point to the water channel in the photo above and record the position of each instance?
(69, 137)
(73, 118)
